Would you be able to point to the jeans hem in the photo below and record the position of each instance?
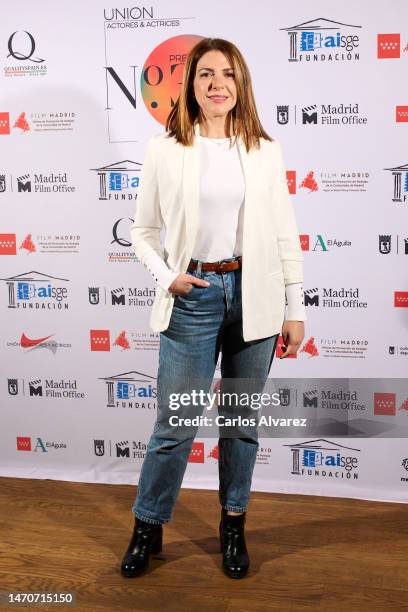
(148, 519)
(234, 508)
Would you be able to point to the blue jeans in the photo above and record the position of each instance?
(204, 322)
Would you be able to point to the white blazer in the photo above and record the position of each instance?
(168, 198)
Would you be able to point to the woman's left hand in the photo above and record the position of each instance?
(293, 333)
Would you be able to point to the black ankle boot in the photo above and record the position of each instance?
(235, 560)
(147, 539)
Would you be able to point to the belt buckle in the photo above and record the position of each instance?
(222, 262)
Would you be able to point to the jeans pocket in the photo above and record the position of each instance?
(186, 296)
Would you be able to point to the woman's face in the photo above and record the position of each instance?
(214, 85)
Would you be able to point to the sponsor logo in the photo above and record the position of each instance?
(401, 114)
(24, 443)
(197, 453)
(385, 404)
(8, 244)
(399, 351)
(47, 388)
(122, 296)
(399, 175)
(388, 244)
(325, 114)
(4, 123)
(100, 339)
(131, 390)
(21, 49)
(33, 344)
(324, 459)
(320, 243)
(401, 299)
(118, 181)
(26, 342)
(323, 40)
(37, 291)
(388, 46)
(334, 298)
(44, 183)
(123, 449)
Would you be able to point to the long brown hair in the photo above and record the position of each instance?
(244, 116)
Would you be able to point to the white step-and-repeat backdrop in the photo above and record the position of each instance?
(83, 86)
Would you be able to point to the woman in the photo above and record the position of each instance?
(216, 181)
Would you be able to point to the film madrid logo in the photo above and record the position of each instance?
(324, 459)
(20, 125)
(328, 347)
(263, 454)
(22, 57)
(63, 121)
(118, 181)
(123, 449)
(323, 40)
(328, 181)
(100, 340)
(47, 388)
(131, 390)
(36, 291)
(41, 243)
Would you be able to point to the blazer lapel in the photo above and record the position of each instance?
(191, 193)
(191, 186)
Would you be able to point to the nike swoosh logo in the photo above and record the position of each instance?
(27, 342)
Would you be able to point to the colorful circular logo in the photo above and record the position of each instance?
(162, 74)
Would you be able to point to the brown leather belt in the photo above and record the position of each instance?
(215, 266)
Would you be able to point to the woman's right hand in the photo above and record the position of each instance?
(183, 284)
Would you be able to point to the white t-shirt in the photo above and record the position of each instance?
(220, 225)
(222, 196)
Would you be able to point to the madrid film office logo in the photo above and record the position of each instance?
(35, 387)
(323, 40)
(121, 449)
(118, 296)
(399, 176)
(308, 113)
(24, 183)
(310, 399)
(326, 114)
(118, 181)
